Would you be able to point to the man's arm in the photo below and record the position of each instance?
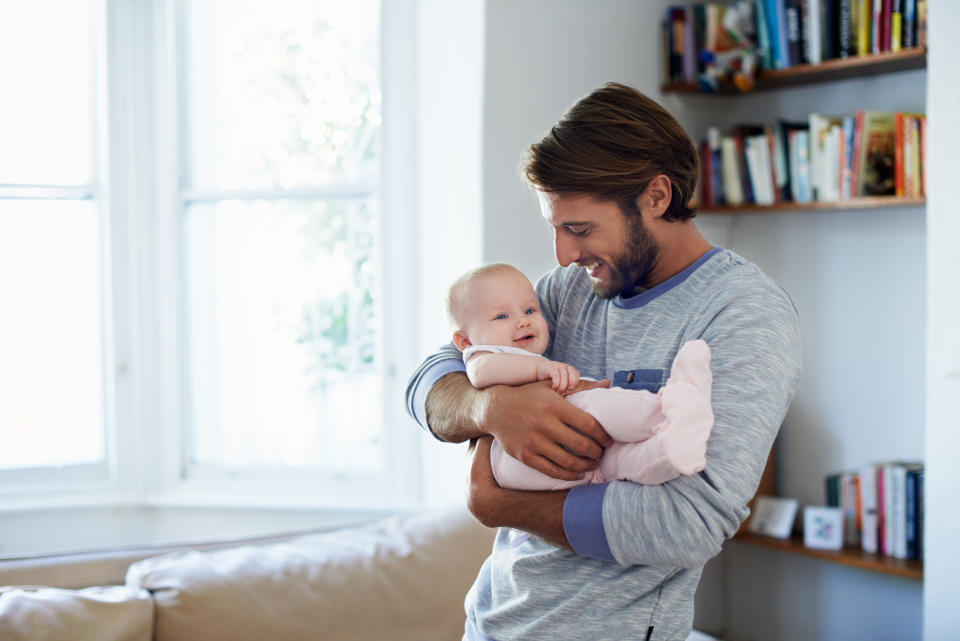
(532, 422)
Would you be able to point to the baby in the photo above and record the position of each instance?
(502, 334)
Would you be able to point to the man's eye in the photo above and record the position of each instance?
(578, 231)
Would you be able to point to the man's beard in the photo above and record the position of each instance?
(631, 269)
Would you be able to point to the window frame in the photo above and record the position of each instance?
(140, 69)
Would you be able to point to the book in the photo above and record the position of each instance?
(716, 175)
(813, 30)
(912, 522)
(868, 500)
(782, 49)
(898, 514)
(898, 153)
(828, 30)
(875, 26)
(799, 143)
(921, 23)
(690, 53)
(896, 25)
(778, 155)
(875, 156)
(909, 23)
(845, 33)
(730, 172)
(920, 513)
(846, 159)
(885, 15)
(864, 16)
(763, 35)
(792, 19)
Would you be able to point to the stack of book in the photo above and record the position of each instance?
(882, 508)
(786, 33)
(825, 159)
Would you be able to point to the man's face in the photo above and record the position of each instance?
(503, 310)
(617, 250)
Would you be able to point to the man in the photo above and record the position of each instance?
(636, 281)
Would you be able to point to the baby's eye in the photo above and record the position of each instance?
(499, 317)
(531, 310)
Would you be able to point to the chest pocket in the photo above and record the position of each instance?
(640, 379)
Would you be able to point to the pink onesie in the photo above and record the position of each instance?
(658, 436)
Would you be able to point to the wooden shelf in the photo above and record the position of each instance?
(838, 69)
(874, 202)
(851, 557)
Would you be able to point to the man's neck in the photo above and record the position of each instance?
(681, 244)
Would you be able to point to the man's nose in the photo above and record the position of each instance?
(565, 248)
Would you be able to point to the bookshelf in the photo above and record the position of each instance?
(851, 557)
(828, 71)
(880, 69)
(876, 202)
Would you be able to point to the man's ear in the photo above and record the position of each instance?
(460, 340)
(655, 199)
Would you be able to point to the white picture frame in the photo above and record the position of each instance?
(773, 516)
(823, 527)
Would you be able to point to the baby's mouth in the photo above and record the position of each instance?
(524, 339)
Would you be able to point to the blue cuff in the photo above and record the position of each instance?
(433, 374)
(583, 521)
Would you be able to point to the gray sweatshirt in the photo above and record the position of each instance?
(640, 549)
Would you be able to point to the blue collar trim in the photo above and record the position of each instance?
(648, 295)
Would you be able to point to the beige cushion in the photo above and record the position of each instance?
(403, 578)
(114, 613)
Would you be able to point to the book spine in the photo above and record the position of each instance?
(828, 30)
(815, 31)
(921, 154)
(875, 26)
(690, 53)
(792, 19)
(783, 44)
(921, 23)
(896, 25)
(763, 35)
(890, 516)
(868, 499)
(885, 25)
(882, 493)
(844, 32)
(898, 151)
(732, 185)
(920, 514)
(857, 144)
(899, 511)
(846, 185)
(911, 495)
(863, 27)
(909, 23)
(804, 194)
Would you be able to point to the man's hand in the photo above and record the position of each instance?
(562, 376)
(542, 430)
(540, 513)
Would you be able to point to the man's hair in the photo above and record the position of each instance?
(458, 294)
(610, 145)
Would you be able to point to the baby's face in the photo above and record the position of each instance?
(503, 310)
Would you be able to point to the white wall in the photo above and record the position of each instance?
(942, 592)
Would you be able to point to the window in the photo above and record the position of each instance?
(281, 210)
(52, 418)
(195, 241)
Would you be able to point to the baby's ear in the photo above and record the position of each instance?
(460, 340)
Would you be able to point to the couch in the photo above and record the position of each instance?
(402, 578)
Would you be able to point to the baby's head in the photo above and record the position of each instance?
(496, 305)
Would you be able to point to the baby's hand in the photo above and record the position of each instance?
(564, 376)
